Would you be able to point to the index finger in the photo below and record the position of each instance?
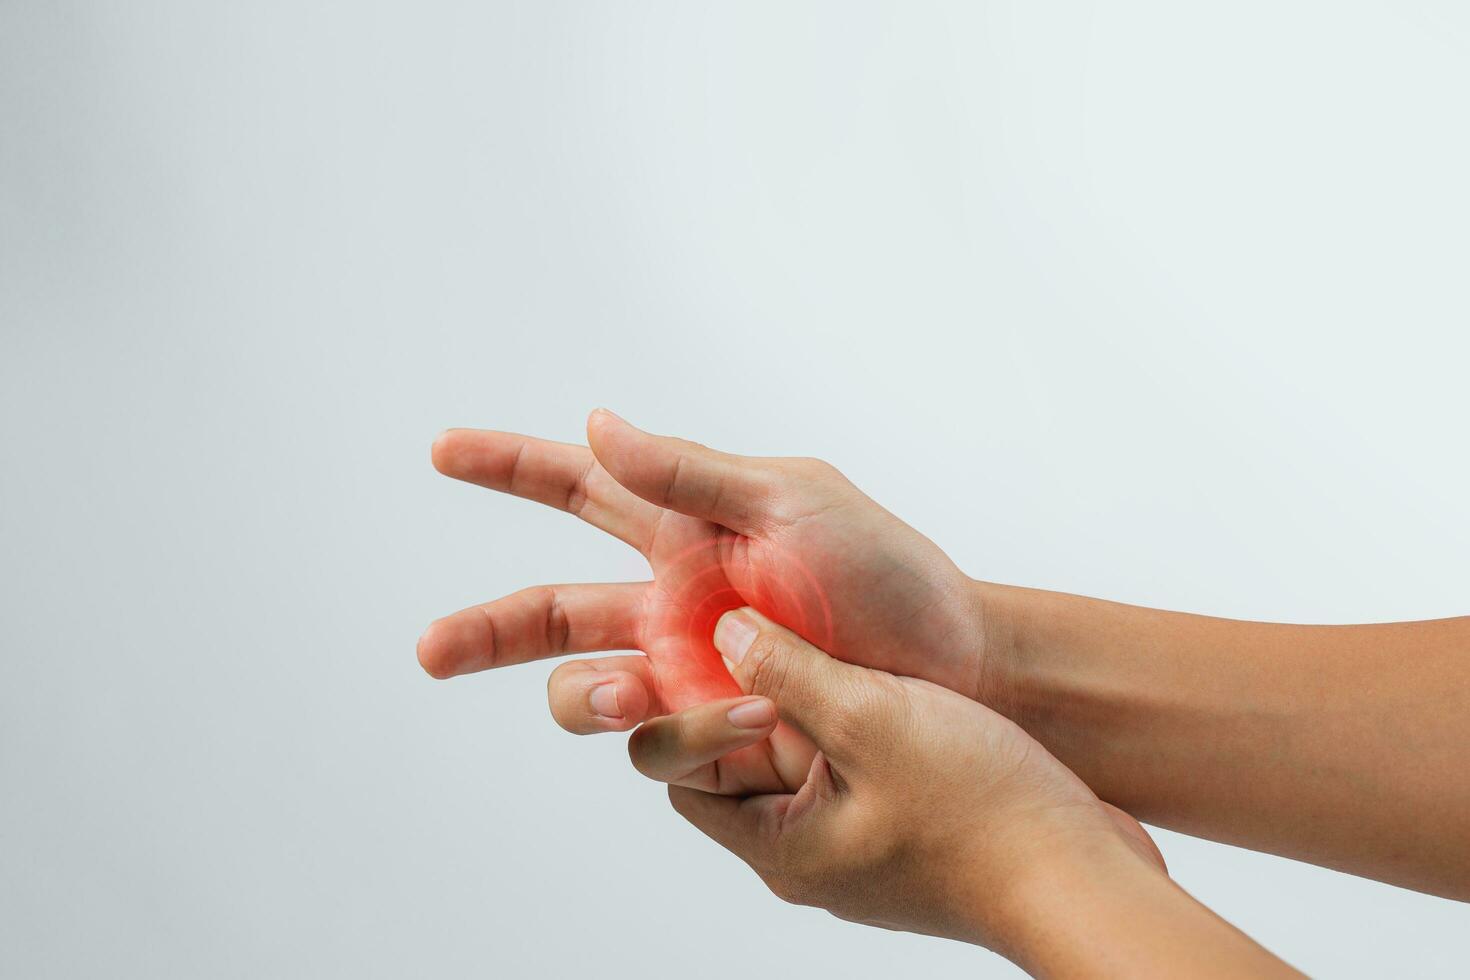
(736, 491)
(556, 474)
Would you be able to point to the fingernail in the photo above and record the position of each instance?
(734, 634)
(604, 701)
(610, 414)
(752, 714)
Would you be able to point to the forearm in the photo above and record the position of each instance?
(1339, 745)
(1104, 913)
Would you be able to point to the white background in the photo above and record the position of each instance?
(1155, 301)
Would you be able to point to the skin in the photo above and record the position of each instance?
(1344, 746)
(790, 537)
(1337, 745)
(927, 812)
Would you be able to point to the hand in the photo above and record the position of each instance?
(922, 811)
(790, 537)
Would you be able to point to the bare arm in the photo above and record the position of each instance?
(1345, 746)
(1099, 915)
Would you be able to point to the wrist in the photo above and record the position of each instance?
(999, 617)
(1098, 908)
(1070, 896)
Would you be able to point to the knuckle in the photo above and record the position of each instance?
(805, 880)
(793, 882)
(577, 496)
(765, 665)
(674, 484)
(556, 628)
(805, 485)
(812, 468)
(784, 888)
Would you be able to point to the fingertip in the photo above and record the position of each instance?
(756, 716)
(432, 653)
(605, 413)
(592, 703)
(629, 701)
(735, 631)
(443, 450)
(761, 620)
(602, 423)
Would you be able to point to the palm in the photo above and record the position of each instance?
(817, 576)
(692, 587)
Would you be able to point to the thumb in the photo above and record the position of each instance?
(833, 702)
